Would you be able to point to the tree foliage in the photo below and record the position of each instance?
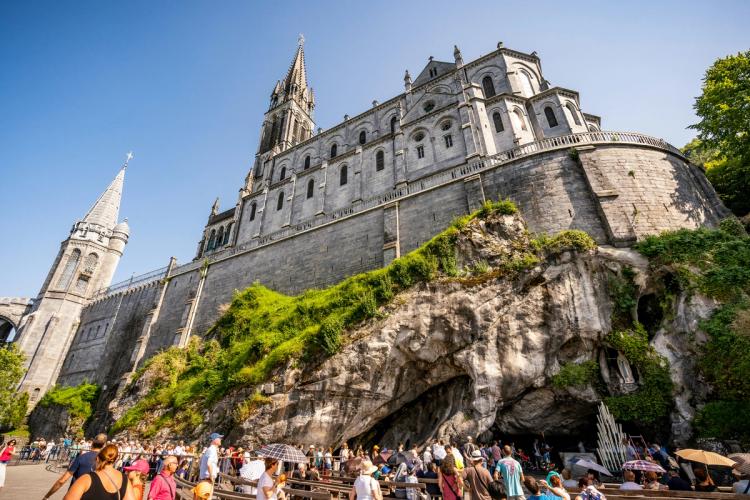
(723, 144)
(12, 405)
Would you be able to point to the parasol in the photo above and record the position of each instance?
(742, 462)
(705, 457)
(643, 465)
(588, 464)
(283, 453)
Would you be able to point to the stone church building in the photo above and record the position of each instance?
(320, 205)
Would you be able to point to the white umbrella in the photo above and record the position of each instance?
(588, 464)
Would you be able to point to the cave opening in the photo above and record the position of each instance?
(418, 421)
(650, 313)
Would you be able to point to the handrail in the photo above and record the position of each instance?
(441, 178)
(134, 281)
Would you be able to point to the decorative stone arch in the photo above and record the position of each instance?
(593, 128)
(8, 329)
(521, 68)
(388, 117)
(441, 88)
(337, 140)
(310, 151)
(498, 111)
(283, 167)
(445, 119)
(575, 112)
(496, 74)
(519, 118)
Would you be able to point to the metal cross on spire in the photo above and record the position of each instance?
(301, 39)
(128, 157)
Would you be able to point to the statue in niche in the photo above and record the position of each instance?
(626, 372)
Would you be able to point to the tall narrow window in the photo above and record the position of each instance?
(70, 267)
(343, 175)
(334, 150)
(362, 137)
(220, 237)
(519, 122)
(498, 121)
(226, 233)
(488, 86)
(310, 188)
(420, 151)
(526, 89)
(295, 130)
(393, 125)
(90, 265)
(212, 240)
(282, 175)
(307, 162)
(280, 201)
(573, 113)
(551, 118)
(448, 141)
(379, 160)
(253, 207)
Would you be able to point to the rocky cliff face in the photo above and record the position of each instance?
(470, 354)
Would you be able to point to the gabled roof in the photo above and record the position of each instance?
(107, 207)
(442, 68)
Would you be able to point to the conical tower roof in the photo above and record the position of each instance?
(107, 207)
(297, 74)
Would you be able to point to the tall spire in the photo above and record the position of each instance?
(297, 74)
(107, 207)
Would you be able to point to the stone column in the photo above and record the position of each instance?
(358, 177)
(290, 202)
(260, 212)
(391, 240)
(474, 192)
(321, 200)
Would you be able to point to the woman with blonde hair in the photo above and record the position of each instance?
(105, 483)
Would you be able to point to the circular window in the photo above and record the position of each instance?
(419, 136)
(446, 125)
(429, 106)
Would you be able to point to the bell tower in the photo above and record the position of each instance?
(289, 119)
(85, 263)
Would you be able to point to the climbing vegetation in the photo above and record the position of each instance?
(716, 262)
(576, 374)
(78, 400)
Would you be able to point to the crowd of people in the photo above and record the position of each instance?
(103, 469)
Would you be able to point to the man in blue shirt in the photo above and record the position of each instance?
(83, 464)
(512, 474)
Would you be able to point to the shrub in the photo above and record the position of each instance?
(571, 239)
(576, 374)
(329, 335)
(733, 226)
(78, 400)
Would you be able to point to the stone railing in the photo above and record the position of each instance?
(441, 178)
(133, 282)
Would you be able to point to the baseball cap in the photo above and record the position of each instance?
(215, 435)
(140, 465)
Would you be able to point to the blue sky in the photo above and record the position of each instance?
(184, 84)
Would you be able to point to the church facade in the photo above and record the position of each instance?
(320, 205)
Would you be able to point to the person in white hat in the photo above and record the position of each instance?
(478, 477)
(365, 486)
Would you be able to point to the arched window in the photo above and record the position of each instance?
(379, 160)
(393, 125)
(518, 121)
(362, 137)
(498, 121)
(488, 86)
(307, 162)
(280, 201)
(282, 175)
(70, 267)
(551, 118)
(212, 240)
(310, 188)
(91, 261)
(526, 88)
(573, 113)
(343, 177)
(334, 150)
(220, 237)
(227, 233)
(592, 128)
(253, 207)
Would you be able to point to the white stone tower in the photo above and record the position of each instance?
(85, 263)
(289, 119)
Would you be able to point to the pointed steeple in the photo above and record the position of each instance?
(106, 209)
(296, 78)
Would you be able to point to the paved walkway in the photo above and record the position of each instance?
(29, 482)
